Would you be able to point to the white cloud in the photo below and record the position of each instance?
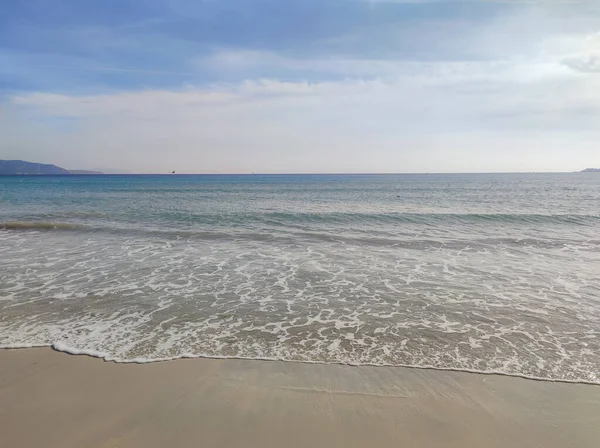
(584, 63)
(428, 117)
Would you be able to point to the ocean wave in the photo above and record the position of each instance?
(431, 218)
(472, 304)
(291, 219)
(296, 234)
(38, 225)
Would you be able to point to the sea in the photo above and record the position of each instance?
(491, 273)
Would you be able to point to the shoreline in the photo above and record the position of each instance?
(54, 399)
(137, 361)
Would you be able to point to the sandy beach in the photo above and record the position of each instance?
(52, 399)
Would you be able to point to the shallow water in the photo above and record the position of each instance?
(492, 273)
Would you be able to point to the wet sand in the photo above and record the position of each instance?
(50, 399)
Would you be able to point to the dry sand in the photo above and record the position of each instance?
(49, 399)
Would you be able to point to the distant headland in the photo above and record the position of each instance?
(591, 170)
(21, 167)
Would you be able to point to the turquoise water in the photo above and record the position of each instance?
(483, 272)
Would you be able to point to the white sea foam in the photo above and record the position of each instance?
(62, 347)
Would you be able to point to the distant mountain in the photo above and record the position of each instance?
(14, 167)
(85, 172)
(591, 170)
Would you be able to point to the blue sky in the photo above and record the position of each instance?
(301, 86)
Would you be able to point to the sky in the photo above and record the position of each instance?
(296, 86)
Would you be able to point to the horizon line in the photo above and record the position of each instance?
(300, 173)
